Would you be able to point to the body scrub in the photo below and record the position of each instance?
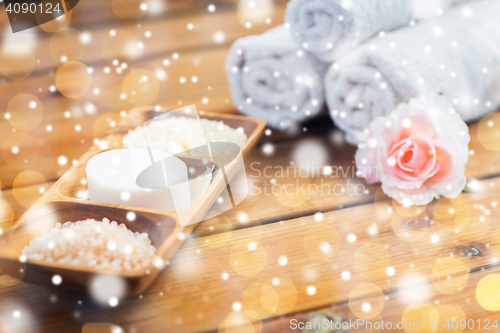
(177, 134)
(97, 244)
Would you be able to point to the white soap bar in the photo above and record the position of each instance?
(112, 176)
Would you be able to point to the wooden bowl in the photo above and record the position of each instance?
(63, 202)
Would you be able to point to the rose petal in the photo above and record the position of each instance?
(423, 156)
(419, 123)
(450, 189)
(449, 161)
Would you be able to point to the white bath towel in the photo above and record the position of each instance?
(330, 28)
(450, 55)
(272, 79)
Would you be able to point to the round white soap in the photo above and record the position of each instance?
(112, 178)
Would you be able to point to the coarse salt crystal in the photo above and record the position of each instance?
(97, 244)
(176, 134)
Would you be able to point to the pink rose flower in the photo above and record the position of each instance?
(418, 152)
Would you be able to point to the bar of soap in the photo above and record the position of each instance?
(112, 178)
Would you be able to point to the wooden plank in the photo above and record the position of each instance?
(167, 37)
(462, 305)
(208, 68)
(192, 295)
(11, 209)
(94, 12)
(300, 241)
(45, 152)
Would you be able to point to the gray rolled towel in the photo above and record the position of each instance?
(330, 29)
(272, 79)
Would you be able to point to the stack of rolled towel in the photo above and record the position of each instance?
(273, 79)
(379, 53)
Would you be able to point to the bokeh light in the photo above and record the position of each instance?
(419, 313)
(326, 191)
(488, 131)
(105, 123)
(287, 294)
(454, 314)
(12, 140)
(17, 61)
(26, 196)
(478, 230)
(128, 9)
(414, 287)
(9, 280)
(450, 275)
(241, 322)
(101, 328)
(418, 232)
(24, 154)
(275, 298)
(292, 192)
(219, 229)
(496, 246)
(488, 292)
(19, 316)
(6, 216)
(246, 259)
(141, 87)
(4, 325)
(25, 111)
(102, 288)
(408, 210)
(121, 45)
(254, 11)
(383, 204)
(66, 45)
(321, 242)
(451, 215)
(410, 229)
(55, 25)
(374, 328)
(309, 156)
(73, 79)
(366, 300)
(261, 298)
(371, 260)
(168, 294)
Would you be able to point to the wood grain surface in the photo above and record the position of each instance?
(314, 255)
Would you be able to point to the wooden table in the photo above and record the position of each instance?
(313, 255)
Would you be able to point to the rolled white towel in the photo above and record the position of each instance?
(331, 28)
(272, 79)
(450, 55)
